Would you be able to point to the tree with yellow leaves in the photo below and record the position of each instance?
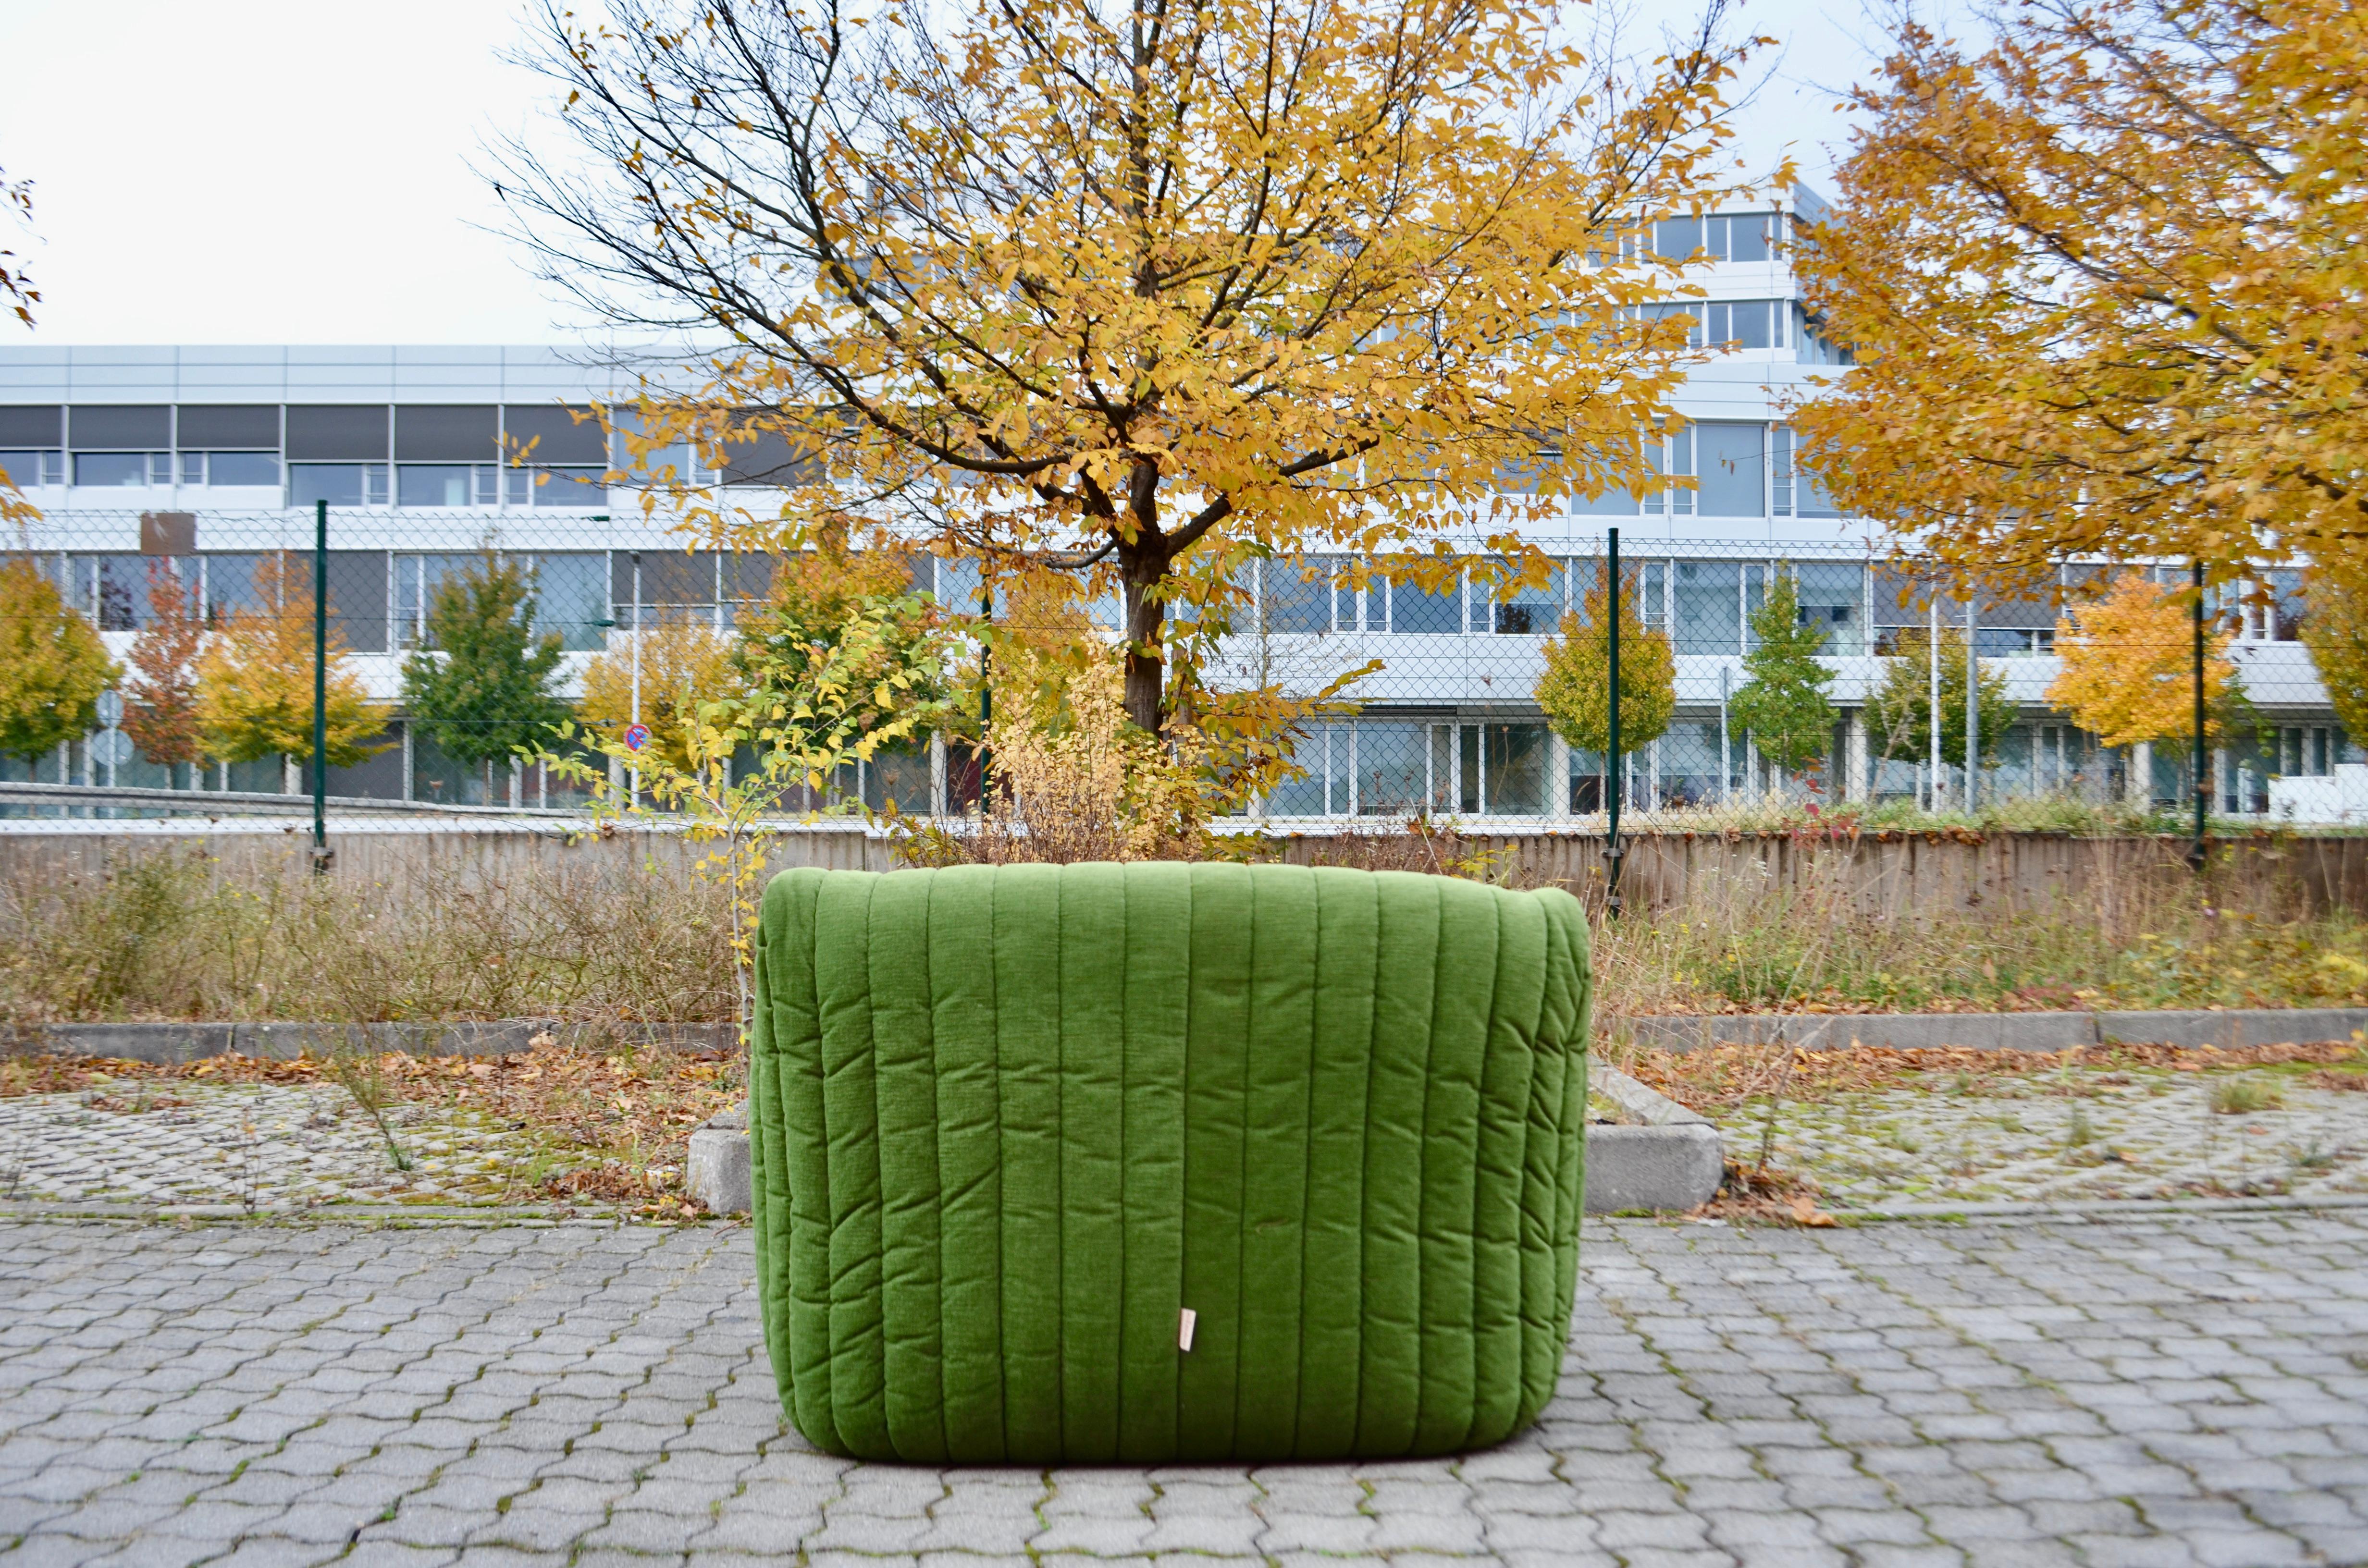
(2103, 283)
(1130, 288)
(1575, 689)
(2335, 628)
(52, 664)
(254, 679)
(683, 664)
(2129, 669)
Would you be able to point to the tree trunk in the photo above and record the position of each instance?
(1146, 670)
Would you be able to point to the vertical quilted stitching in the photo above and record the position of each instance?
(1517, 995)
(961, 938)
(1406, 976)
(1157, 1030)
(1348, 926)
(912, 1289)
(1093, 1031)
(1277, 1065)
(1027, 1047)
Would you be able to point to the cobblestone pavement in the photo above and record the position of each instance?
(2146, 1132)
(2188, 1389)
(259, 1145)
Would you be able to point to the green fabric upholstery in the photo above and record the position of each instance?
(1009, 1123)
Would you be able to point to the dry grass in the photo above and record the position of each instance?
(1729, 1076)
(1814, 946)
(170, 934)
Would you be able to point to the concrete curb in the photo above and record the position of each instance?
(171, 1043)
(175, 1042)
(2228, 1029)
(1673, 1159)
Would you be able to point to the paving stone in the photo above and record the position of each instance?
(2041, 1392)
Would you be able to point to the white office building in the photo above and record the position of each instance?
(211, 458)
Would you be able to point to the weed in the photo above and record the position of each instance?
(2244, 1094)
(2078, 1133)
(361, 1076)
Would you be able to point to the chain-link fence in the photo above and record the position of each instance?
(624, 624)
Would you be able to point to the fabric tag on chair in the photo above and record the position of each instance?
(1184, 1329)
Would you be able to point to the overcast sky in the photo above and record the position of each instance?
(262, 171)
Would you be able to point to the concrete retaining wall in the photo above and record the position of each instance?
(1886, 875)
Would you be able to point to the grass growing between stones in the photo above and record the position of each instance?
(577, 1128)
(1877, 1126)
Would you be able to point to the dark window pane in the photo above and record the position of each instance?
(110, 468)
(1729, 453)
(1709, 607)
(1297, 603)
(1393, 769)
(340, 485)
(1677, 238)
(440, 484)
(1416, 610)
(357, 596)
(1746, 236)
(570, 487)
(1750, 323)
(121, 425)
(446, 433)
(35, 427)
(23, 469)
(1516, 769)
(899, 777)
(1521, 610)
(346, 431)
(243, 468)
(571, 599)
(200, 426)
(230, 585)
(553, 434)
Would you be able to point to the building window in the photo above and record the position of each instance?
(1794, 489)
(416, 578)
(1811, 346)
(1733, 463)
(26, 470)
(1519, 610)
(1417, 610)
(257, 470)
(585, 487)
(435, 484)
(1296, 597)
(1707, 605)
(123, 468)
(340, 485)
(1725, 236)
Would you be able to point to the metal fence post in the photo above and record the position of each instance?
(2195, 852)
(319, 687)
(1614, 782)
(1932, 702)
(986, 692)
(1973, 708)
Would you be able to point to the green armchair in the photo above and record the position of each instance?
(1156, 1162)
